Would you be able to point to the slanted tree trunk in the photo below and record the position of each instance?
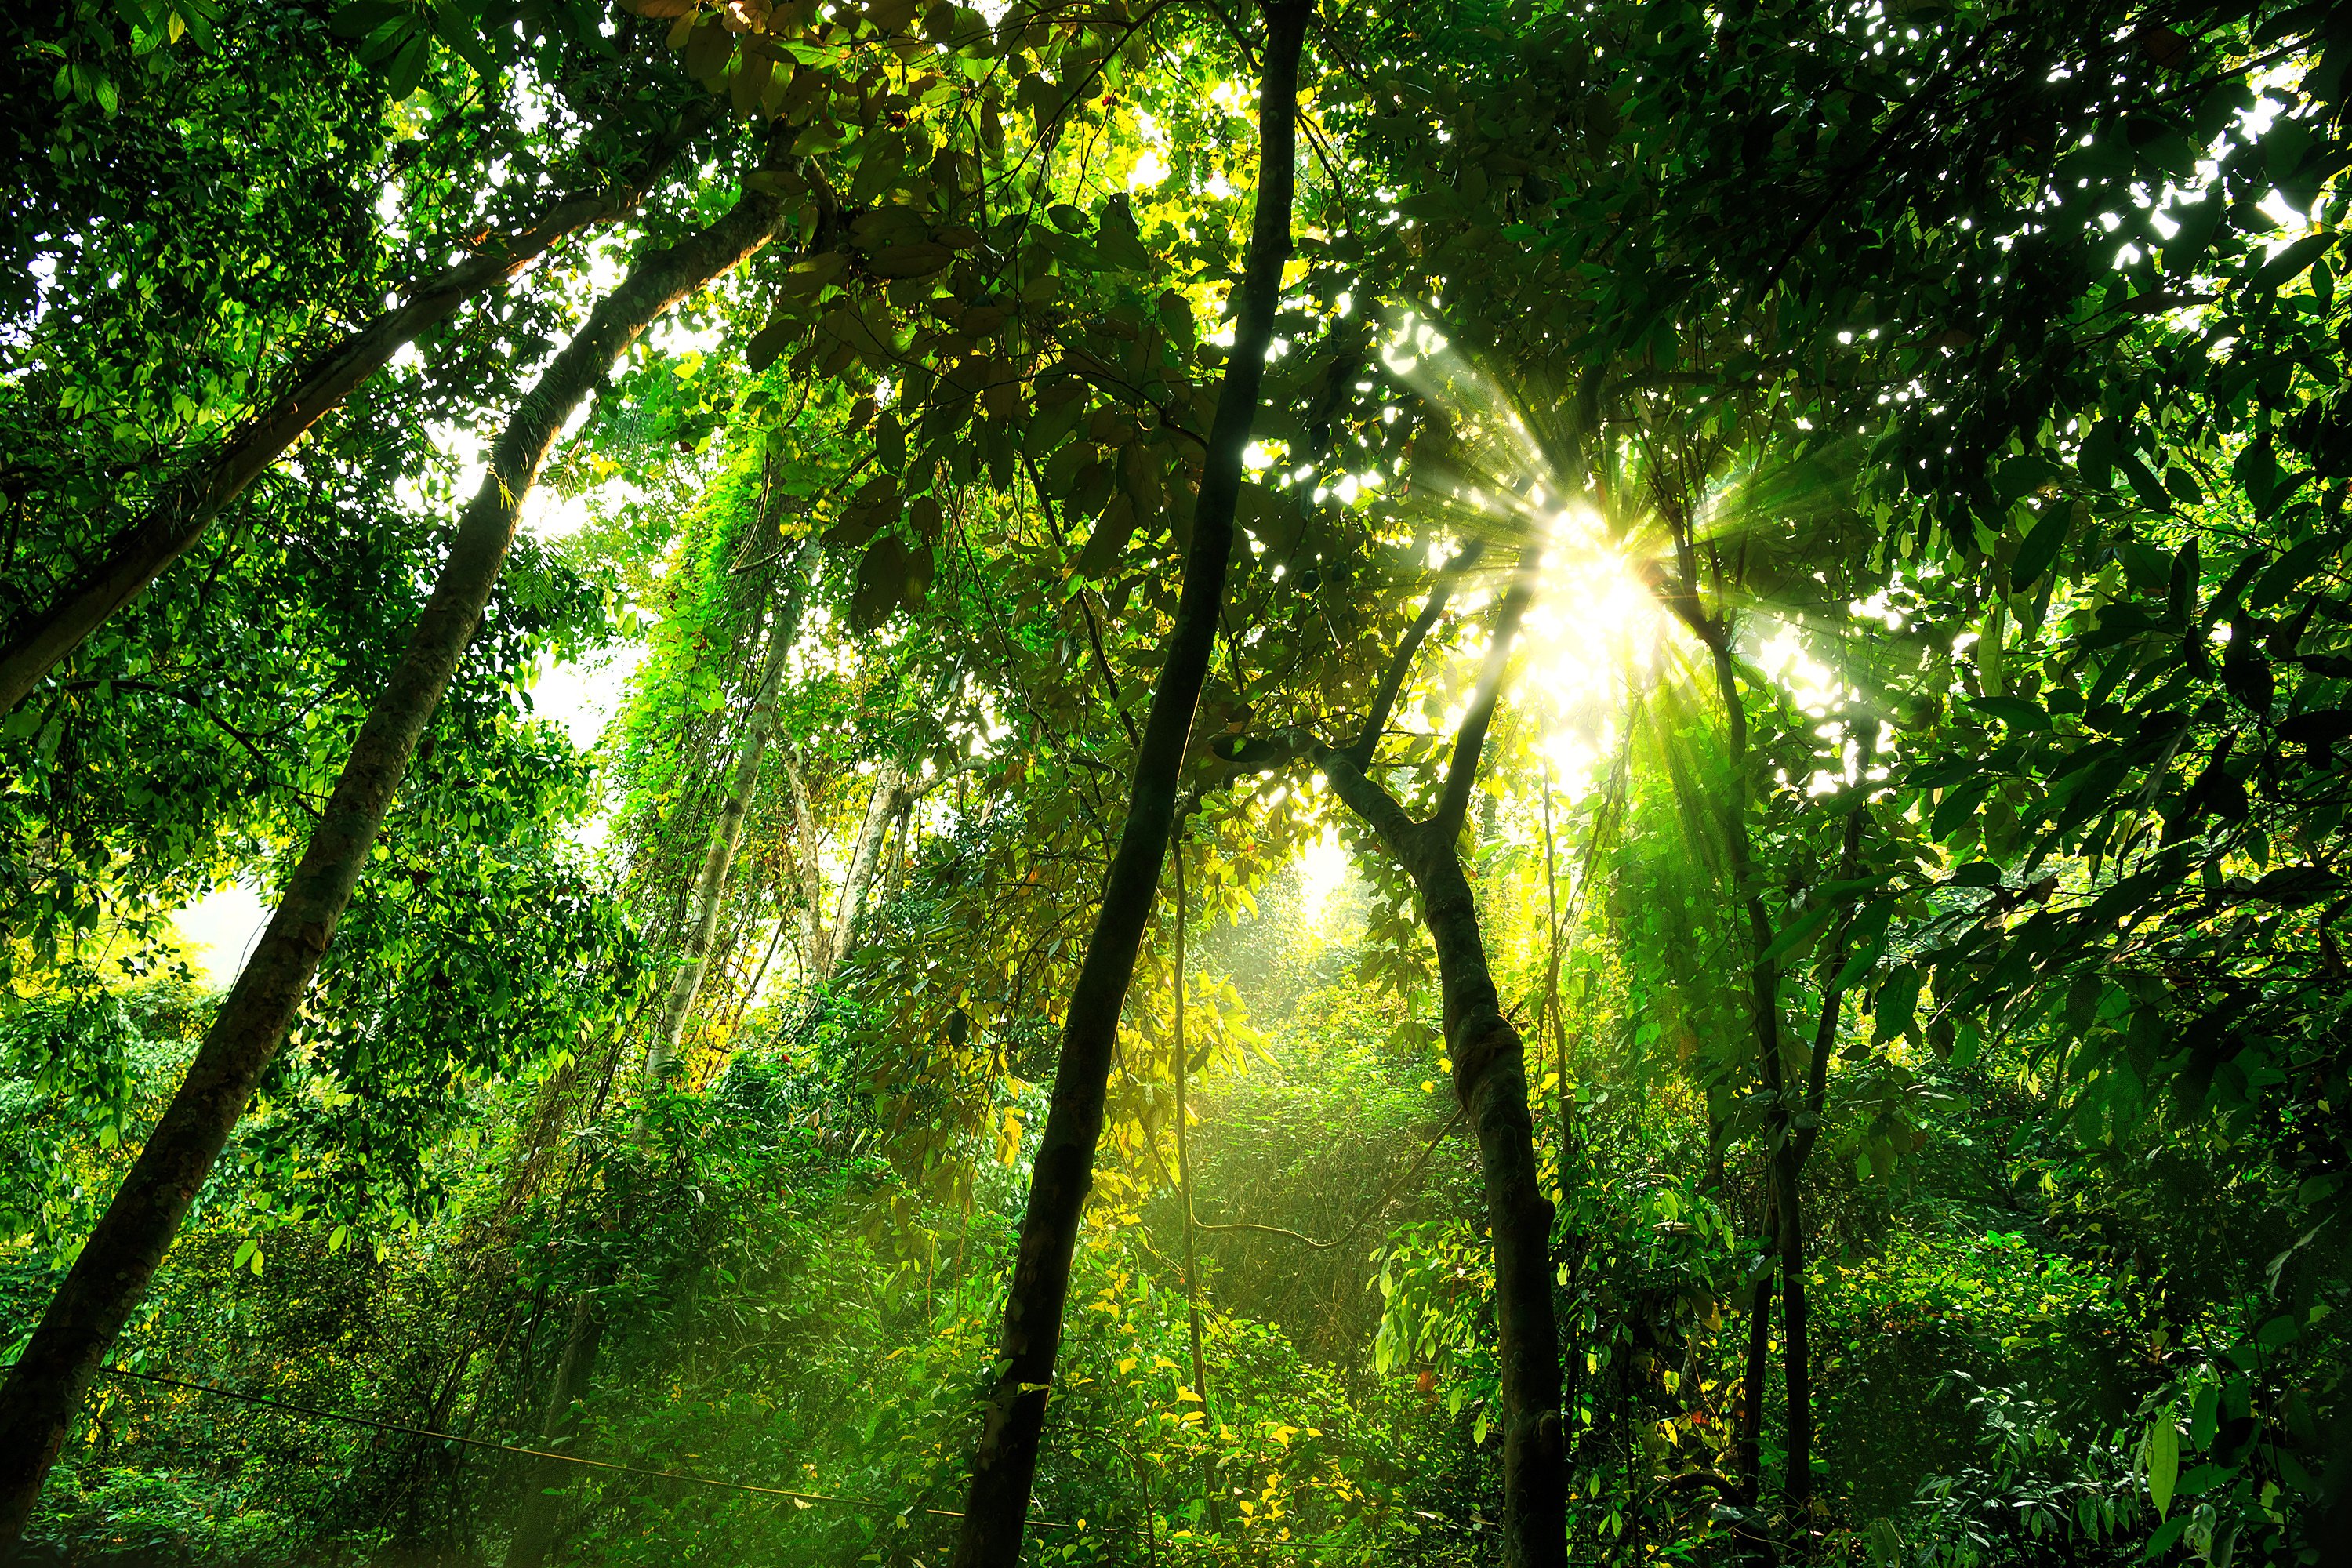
(866, 859)
(177, 518)
(1491, 1080)
(542, 1502)
(727, 832)
(44, 1390)
(1004, 1463)
(902, 828)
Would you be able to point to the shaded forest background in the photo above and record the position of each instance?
(1600, 749)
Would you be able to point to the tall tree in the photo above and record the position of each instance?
(45, 1386)
(1004, 1463)
(1490, 1078)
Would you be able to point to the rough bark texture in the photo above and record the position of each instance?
(727, 832)
(1004, 1463)
(46, 1387)
(133, 558)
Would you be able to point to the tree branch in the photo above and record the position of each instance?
(1360, 751)
(1462, 772)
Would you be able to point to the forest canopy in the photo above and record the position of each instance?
(1153, 780)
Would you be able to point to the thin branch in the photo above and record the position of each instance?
(1462, 772)
(1369, 1212)
(223, 725)
(1085, 608)
(1367, 740)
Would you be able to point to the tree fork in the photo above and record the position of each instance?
(1490, 1079)
(1491, 1082)
(139, 554)
(107, 1281)
(1004, 1463)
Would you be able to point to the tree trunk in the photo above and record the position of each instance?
(134, 557)
(1491, 1080)
(38, 1404)
(865, 861)
(1795, 1149)
(542, 1497)
(1004, 1463)
(1751, 1542)
(727, 833)
(542, 1502)
(816, 962)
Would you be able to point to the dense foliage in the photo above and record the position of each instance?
(1747, 962)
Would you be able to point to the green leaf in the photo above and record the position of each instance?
(2292, 568)
(1868, 935)
(2014, 711)
(407, 67)
(2246, 671)
(2198, 222)
(2181, 590)
(2095, 460)
(1898, 1004)
(768, 342)
(464, 41)
(2291, 263)
(2163, 1462)
(1802, 930)
(360, 17)
(2144, 482)
(1957, 807)
(1121, 250)
(2041, 547)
